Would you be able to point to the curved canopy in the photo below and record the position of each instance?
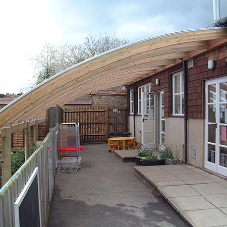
(120, 66)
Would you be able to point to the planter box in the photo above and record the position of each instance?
(170, 161)
(138, 161)
(146, 162)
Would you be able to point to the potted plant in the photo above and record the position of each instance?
(149, 157)
(167, 153)
(140, 156)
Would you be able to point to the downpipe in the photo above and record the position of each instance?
(185, 63)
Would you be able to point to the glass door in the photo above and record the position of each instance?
(149, 120)
(216, 126)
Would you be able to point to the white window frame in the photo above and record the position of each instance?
(162, 118)
(131, 101)
(181, 93)
(144, 88)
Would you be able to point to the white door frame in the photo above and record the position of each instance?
(146, 117)
(216, 167)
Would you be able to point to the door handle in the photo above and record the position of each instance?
(144, 119)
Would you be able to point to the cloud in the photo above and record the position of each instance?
(25, 26)
(150, 27)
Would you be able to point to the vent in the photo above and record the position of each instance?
(194, 152)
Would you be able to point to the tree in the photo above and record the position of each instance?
(52, 60)
(2, 95)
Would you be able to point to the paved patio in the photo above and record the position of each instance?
(106, 192)
(200, 197)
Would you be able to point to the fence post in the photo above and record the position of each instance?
(107, 123)
(6, 154)
(27, 142)
(36, 131)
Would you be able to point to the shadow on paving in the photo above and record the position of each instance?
(106, 192)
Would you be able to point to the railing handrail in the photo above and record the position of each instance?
(47, 171)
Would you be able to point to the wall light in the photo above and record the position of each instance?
(210, 64)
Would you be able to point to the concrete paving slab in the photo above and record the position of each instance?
(192, 176)
(191, 203)
(208, 218)
(218, 200)
(197, 170)
(224, 210)
(213, 177)
(199, 196)
(159, 172)
(178, 191)
(199, 181)
(126, 153)
(169, 183)
(189, 166)
(151, 170)
(167, 177)
(179, 171)
(145, 169)
(172, 167)
(224, 184)
(211, 188)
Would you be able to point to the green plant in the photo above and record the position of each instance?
(33, 147)
(150, 154)
(188, 164)
(167, 153)
(17, 160)
(142, 153)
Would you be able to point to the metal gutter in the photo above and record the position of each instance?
(220, 23)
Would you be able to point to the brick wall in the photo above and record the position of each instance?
(197, 75)
(110, 101)
(165, 85)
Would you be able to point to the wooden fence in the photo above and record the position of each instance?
(97, 122)
(45, 159)
(18, 138)
(117, 120)
(29, 132)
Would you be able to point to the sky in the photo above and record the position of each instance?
(26, 25)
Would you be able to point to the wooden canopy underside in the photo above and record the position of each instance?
(121, 66)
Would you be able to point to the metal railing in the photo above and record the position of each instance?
(45, 158)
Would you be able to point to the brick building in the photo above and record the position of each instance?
(7, 99)
(115, 97)
(198, 120)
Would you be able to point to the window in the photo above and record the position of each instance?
(144, 88)
(162, 119)
(131, 102)
(178, 94)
